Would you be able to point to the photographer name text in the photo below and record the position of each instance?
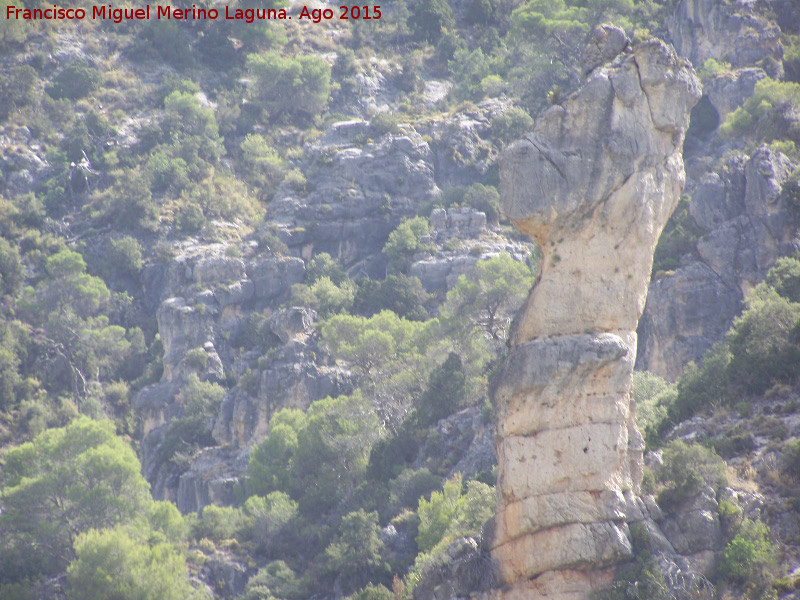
(195, 13)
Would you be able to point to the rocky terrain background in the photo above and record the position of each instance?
(198, 203)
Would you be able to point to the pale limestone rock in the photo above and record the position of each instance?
(593, 184)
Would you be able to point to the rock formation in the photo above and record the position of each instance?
(735, 199)
(593, 184)
(738, 33)
(748, 225)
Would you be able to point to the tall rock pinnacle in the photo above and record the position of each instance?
(594, 185)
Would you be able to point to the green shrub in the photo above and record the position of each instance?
(790, 193)
(317, 457)
(354, 557)
(405, 241)
(710, 68)
(450, 514)
(142, 569)
(784, 278)
(511, 125)
(217, 523)
(190, 219)
(124, 256)
(429, 19)
(373, 592)
(383, 123)
(678, 238)
(12, 274)
(748, 559)
(687, 469)
(408, 487)
(261, 164)
(700, 388)
(74, 82)
(402, 295)
(735, 443)
(197, 359)
(17, 88)
(325, 296)
(297, 86)
(322, 265)
(391, 455)
(762, 341)
(276, 580)
(484, 198)
(192, 430)
(791, 459)
(166, 40)
(651, 395)
(768, 114)
(447, 388)
(480, 12)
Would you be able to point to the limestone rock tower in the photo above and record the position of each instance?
(594, 184)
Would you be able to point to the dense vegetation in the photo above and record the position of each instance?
(158, 133)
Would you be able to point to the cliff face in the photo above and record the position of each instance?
(735, 200)
(593, 184)
(749, 226)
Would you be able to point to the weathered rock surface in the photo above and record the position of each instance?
(466, 233)
(593, 184)
(748, 228)
(564, 191)
(207, 294)
(291, 379)
(733, 32)
(729, 90)
(363, 180)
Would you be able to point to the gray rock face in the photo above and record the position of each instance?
(606, 43)
(575, 164)
(748, 228)
(210, 480)
(355, 183)
(463, 440)
(461, 152)
(593, 184)
(292, 379)
(733, 32)
(695, 528)
(728, 91)
(361, 182)
(22, 161)
(458, 573)
(439, 272)
(207, 297)
(685, 313)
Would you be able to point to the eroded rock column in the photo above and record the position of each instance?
(594, 185)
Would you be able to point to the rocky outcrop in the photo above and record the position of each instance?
(292, 378)
(732, 32)
(363, 177)
(209, 294)
(593, 184)
(748, 227)
(735, 199)
(461, 238)
(360, 182)
(729, 90)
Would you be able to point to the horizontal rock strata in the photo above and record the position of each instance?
(593, 184)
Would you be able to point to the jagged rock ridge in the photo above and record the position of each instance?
(594, 185)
